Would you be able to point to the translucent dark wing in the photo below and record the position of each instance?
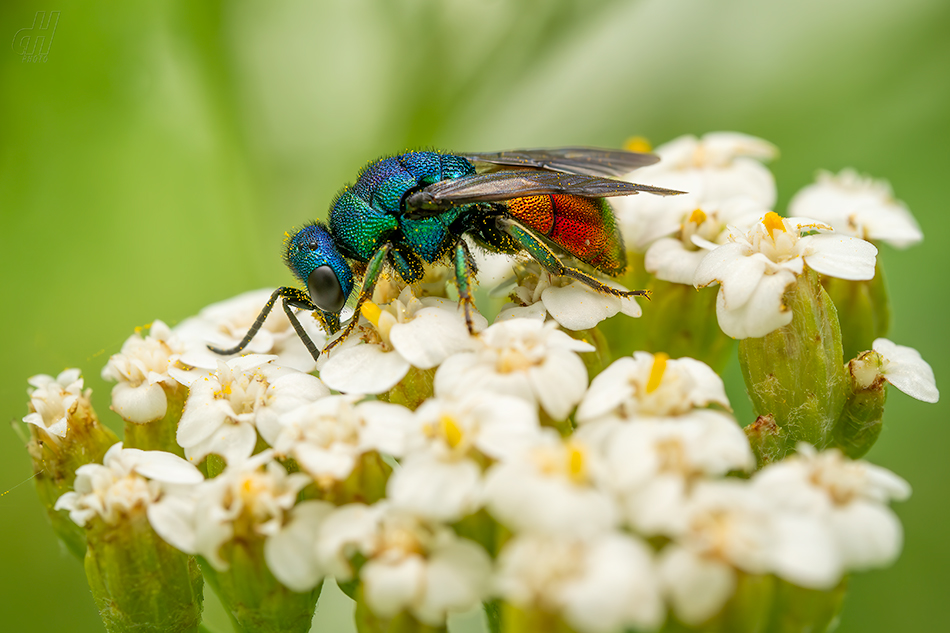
(505, 185)
(569, 160)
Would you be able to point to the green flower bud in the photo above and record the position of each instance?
(796, 609)
(139, 582)
(861, 419)
(256, 601)
(795, 373)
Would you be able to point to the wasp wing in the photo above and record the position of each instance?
(570, 160)
(506, 185)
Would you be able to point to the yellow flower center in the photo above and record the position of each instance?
(637, 144)
(773, 222)
(657, 371)
(697, 217)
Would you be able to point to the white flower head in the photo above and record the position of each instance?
(702, 228)
(224, 324)
(54, 400)
(127, 480)
(899, 365)
(411, 564)
(598, 585)
(859, 206)
(551, 488)
(524, 358)
(755, 268)
(711, 170)
(649, 385)
(253, 497)
(226, 409)
(728, 525)
(407, 332)
(328, 436)
(653, 465)
(440, 478)
(574, 305)
(848, 496)
(141, 369)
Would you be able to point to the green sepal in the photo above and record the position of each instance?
(530, 620)
(678, 320)
(796, 373)
(254, 599)
(767, 440)
(799, 610)
(138, 581)
(55, 461)
(414, 389)
(597, 360)
(402, 622)
(864, 310)
(159, 435)
(747, 611)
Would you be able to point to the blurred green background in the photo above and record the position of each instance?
(151, 165)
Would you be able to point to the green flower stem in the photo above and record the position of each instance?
(55, 462)
(863, 308)
(255, 600)
(160, 434)
(138, 581)
(796, 374)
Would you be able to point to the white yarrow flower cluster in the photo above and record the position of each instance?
(127, 480)
(574, 305)
(859, 206)
(756, 268)
(428, 469)
(53, 400)
(141, 370)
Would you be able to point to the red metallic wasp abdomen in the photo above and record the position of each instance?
(584, 227)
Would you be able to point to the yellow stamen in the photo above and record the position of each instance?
(371, 312)
(450, 430)
(637, 144)
(576, 463)
(697, 217)
(657, 371)
(773, 222)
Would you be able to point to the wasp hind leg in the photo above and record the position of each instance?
(465, 270)
(542, 254)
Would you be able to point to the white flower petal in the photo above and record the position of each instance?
(578, 306)
(907, 370)
(364, 369)
(436, 489)
(698, 587)
(840, 256)
(291, 554)
(141, 404)
(391, 587)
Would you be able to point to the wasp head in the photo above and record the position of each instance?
(314, 260)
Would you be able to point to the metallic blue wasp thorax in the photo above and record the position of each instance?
(368, 213)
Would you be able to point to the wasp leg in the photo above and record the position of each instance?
(465, 270)
(373, 270)
(292, 297)
(546, 257)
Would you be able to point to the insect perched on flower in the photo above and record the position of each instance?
(415, 208)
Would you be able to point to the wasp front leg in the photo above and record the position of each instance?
(373, 270)
(542, 254)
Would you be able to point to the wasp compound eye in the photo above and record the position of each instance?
(325, 290)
